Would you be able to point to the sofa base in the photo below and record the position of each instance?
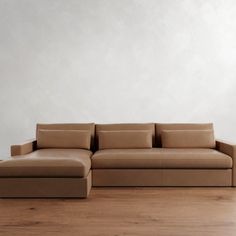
(45, 187)
(162, 177)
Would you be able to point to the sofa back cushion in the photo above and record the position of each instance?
(188, 139)
(63, 139)
(125, 139)
(159, 127)
(65, 135)
(123, 127)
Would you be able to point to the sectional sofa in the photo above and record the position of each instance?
(65, 160)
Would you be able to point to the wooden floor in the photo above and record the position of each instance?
(124, 211)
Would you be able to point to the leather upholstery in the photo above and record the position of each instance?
(229, 149)
(162, 177)
(125, 139)
(161, 158)
(80, 126)
(124, 126)
(188, 139)
(58, 172)
(48, 187)
(48, 163)
(23, 148)
(63, 139)
(159, 127)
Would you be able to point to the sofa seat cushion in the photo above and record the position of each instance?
(48, 163)
(158, 158)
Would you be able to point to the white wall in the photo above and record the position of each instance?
(116, 61)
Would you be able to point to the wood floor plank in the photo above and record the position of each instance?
(124, 211)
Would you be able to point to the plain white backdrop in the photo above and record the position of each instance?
(108, 61)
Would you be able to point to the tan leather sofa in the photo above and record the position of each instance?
(66, 159)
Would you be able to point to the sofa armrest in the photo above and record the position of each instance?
(229, 149)
(23, 148)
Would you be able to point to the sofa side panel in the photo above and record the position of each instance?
(23, 148)
(45, 187)
(162, 177)
(229, 149)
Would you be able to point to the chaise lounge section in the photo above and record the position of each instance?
(53, 166)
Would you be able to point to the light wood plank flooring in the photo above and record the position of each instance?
(124, 211)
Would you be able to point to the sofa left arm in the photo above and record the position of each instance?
(228, 149)
(23, 148)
